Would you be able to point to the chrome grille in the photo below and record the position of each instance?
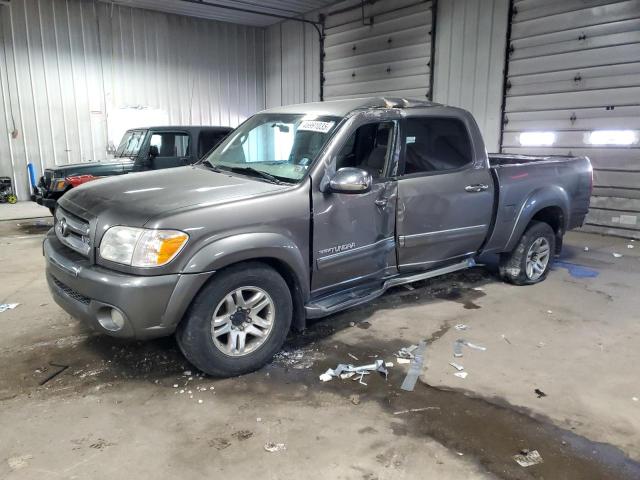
(73, 232)
(70, 292)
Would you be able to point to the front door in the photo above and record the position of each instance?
(353, 233)
(445, 193)
(173, 149)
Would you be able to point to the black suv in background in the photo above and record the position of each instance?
(140, 149)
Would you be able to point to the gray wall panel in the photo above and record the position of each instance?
(574, 68)
(470, 49)
(73, 71)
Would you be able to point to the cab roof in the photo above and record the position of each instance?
(341, 108)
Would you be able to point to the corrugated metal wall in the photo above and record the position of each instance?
(574, 68)
(391, 56)
(469, 60)
(383, 50)
(73, 73)
(292, 63)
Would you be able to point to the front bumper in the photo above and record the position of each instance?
(152, 306)
(44, 201)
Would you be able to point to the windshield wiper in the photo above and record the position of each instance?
(211, 166)
(255, 172)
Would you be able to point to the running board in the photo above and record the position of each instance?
(341, 301)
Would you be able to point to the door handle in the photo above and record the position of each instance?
(381, 202)
(480, 187)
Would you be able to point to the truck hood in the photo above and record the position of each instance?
(87, 166)
(135, 198)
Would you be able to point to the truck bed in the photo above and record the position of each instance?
(520, 178)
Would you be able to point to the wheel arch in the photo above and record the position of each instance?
(548, 204)
(274, 250)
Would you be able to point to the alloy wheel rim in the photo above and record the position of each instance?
(242, 321)
(537, 258)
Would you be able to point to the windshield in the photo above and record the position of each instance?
(277, 146)
(130, 143)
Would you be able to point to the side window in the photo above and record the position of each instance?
(433, 144)
(171, 144)
(367, 148)
(208, 140)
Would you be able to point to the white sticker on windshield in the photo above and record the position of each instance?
(411, 140)
(315, 126)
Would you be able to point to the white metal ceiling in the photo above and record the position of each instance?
(207, 9)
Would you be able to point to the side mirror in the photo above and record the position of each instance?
(351, 180)
(153, 151)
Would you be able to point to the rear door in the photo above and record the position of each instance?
(174, 149)
(445, 193)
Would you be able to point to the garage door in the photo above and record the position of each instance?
(574, 85)
(379, 49)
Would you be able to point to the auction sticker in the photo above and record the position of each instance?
(315, 126)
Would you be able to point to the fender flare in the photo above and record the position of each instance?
(252, 246)
(539, 199)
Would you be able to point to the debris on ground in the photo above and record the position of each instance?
(16, 463)
(406, 352)
(242, 434)
(409, 286)
(298, 359)
(550, 312)
(539, 393)
(527, 458)
(617, 255)
(457, 347)
(586, 249)
(7, 306)
(461, 326)
(355, 399)
(456, 366)
(461, 374)
(352, 356)
(274, 447)
(414, 410)
(504, 337)
(61, 368)
(629, 246)
(345, 371)
(635, 399)
(478, 289)
(415, 368)
(403, 360)
(186, 373)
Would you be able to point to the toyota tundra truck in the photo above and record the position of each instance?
(304, 211)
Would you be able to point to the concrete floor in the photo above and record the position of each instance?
(22, 210)
(124, 408)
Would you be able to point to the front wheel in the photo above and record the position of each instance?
(532, 258)
(238, 321)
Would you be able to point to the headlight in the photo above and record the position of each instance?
(141, 247)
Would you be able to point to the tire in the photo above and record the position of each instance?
(195, 333)
(513, 265)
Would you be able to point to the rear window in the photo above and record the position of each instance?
(432, 145)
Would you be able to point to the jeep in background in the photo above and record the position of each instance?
(303, 211)
(140, 149)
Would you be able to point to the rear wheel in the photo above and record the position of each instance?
(238, 321)
(532, 258)
(11, 198)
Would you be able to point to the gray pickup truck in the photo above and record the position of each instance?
(301, 212)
